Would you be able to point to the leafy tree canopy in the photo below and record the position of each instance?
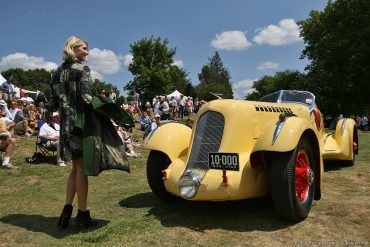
(151, 67)
(337, 43)
(215, 78)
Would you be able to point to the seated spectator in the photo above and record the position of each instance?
(4, 107)
(7, 145)
(21, 120)
(13, 109)
(127, 140)
(154, 125)
(145, 121)
(49, 135)
(34, 117)
(27, 99)
(20, 104)
(5, 122)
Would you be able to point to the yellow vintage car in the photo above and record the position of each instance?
(241, 149)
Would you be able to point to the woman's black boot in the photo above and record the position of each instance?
(65, 216)
(83, 217)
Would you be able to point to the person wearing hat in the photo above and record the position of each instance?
(4, 106)
(49, 135)
(156, 123)
(21, 119)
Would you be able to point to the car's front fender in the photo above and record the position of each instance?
(285, 140)
(172, 139)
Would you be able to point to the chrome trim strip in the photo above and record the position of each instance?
(343, 125)
(279, 126)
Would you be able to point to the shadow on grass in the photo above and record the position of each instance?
(334, 165)
(48, 225)
(242, 216)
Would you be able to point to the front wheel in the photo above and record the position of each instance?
(157, 162)
(292, 181)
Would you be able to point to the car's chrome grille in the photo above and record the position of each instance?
(207, 138)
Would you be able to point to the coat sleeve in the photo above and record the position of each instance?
(85, 84)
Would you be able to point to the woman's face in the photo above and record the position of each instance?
(81, 52)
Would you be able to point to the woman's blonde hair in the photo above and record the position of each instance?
(70, 44)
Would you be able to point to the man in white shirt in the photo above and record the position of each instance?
(49, 135)
(112, 95)
(13, 109)
(165, 109)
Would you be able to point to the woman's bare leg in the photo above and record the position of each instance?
(81, 184)
(71, 185)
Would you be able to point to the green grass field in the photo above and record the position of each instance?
(32, 197)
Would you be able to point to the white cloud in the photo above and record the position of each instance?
(96, 75)
(242, 88)
(103, 61)
(231, 41)
(286, 32)
(178, 63)
(127, 59)
(267, 65)
(23, 61)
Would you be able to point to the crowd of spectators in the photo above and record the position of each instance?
(19, 116)
(22, 116)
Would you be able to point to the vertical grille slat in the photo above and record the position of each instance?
(207, 138)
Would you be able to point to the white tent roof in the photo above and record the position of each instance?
(2, 79)
(175, 93)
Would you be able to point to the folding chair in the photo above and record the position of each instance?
(48, 152)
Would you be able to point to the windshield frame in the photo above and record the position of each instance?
(280, 94)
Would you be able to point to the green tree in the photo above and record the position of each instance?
(215, 78)
(337, 43)
(151, 67)
(180, 82)
(35, 79)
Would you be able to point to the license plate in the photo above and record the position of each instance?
(223, 161)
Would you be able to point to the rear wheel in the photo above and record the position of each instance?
(157, 162)
(292, 181)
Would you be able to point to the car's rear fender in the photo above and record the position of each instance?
(172, 139)
(339, 146)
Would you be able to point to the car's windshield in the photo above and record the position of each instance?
(290, 96)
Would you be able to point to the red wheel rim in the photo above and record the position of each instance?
(303, 176)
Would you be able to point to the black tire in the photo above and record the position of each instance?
(157, 162)
(283, 169)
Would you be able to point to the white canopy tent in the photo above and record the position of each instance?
(175, 93)
(2, 79)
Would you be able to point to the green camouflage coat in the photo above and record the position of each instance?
(71, 97)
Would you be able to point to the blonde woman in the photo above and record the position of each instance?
(71, 96)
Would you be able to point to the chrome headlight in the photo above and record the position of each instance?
(188, 185)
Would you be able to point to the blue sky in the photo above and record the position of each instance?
(253, 37)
